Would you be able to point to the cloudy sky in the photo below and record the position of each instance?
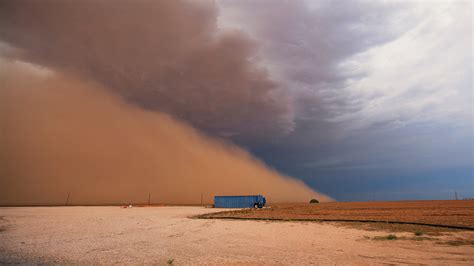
(381, 93)
(360, 99)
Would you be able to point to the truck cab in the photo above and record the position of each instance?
(261, 201)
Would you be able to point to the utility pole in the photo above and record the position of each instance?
(456, 195)
(67, 200)
(149, 197)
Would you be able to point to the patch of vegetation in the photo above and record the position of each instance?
(314, 201)
(419, 233)
(392, 237)
(387, 237)
(170, 262)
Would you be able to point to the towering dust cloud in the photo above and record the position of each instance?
(91, 95)
(60, 135)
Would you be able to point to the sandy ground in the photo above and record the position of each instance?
(155, 235)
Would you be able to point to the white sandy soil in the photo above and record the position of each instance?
(157, 235)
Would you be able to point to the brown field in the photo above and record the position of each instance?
(445, 213)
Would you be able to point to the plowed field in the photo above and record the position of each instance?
(458, 213)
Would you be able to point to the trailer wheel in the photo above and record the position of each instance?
(255, 205)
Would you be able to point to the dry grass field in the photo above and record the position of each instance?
(452, 213)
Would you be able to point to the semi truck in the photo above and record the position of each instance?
(250, 201)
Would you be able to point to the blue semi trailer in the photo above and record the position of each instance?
(252, 201)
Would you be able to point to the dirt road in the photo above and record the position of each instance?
(161, 235)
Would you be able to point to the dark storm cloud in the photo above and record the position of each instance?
(304, 44)
(359, 65)
(305, 41)
(379, 88)
(162, 55)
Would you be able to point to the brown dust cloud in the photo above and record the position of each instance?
(63, 136)
(110, 102)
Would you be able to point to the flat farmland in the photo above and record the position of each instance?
(456, 213)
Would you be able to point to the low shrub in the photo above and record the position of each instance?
(392, 237)
(388, 237)
(419, 233)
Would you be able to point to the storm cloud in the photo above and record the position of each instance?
(380, 89)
